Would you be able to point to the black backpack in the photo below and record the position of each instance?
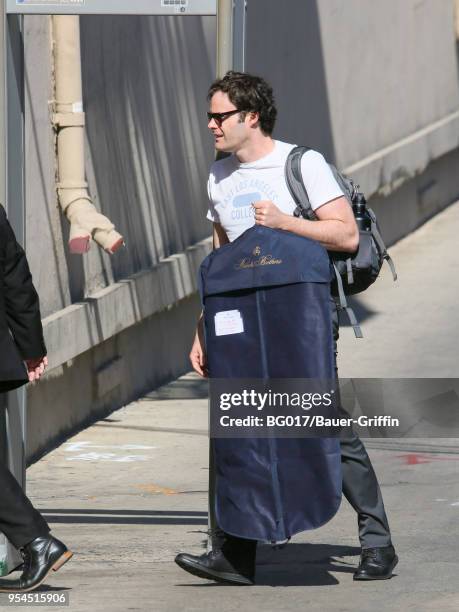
(353, 272)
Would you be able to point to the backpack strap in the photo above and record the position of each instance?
(345, 306)
(294, 180)
(350, 274)
(295, 184)
(380, 242)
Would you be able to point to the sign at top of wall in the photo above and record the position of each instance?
(178, 5)
(114, 7)
(50, 2)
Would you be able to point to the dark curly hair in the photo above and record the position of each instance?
(248, 93)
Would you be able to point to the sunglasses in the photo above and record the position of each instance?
(219, 118)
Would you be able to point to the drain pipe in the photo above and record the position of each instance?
(86, 222)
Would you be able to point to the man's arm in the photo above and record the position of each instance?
(22, 307)
(335, 227)
(219, 235)
(198, 353)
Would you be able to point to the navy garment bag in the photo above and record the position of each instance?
(266, 301)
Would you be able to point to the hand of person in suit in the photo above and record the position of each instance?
(36, 367)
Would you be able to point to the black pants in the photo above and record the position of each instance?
(19, 520)
(360, 485)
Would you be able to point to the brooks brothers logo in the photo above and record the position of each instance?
(264, 260)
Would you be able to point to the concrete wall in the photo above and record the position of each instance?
(294, 65)
(416, 200)
(110, 375)
(144, 85)
(147, 156)
(398, 73)
(374, 86)
(145, 82)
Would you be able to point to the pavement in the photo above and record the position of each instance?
(411, 326)
(130, 492)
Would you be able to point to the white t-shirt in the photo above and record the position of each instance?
(233, 186)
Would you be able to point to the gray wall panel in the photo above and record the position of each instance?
(391, 70)
(144, 83)
(352, 77)
(284, 46)
(148, 151)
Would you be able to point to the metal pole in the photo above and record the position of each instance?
(13, 405)
(4, 552)
(224, 63)
(224, 36)
(231, 21)
(231, 30)
(239, 23)
(16, 210)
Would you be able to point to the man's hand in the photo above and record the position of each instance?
(267, 213)
(36, 367)
(335, 227)
(198, 354)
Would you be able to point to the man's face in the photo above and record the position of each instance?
(229, 132)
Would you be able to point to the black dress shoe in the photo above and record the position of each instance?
(214, 566)
(376, 563)
(40, 557)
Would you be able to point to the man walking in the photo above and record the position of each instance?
(248, 187)
(21, 341)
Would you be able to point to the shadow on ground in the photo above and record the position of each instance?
(300, 565)
(124, 517)
(362, 312)
(189, 386)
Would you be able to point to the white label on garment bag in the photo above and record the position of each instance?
(228, 322)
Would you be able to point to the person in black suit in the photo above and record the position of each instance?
(22, 359)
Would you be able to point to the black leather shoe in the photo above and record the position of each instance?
(40, 557)
(213, 566)
(376, 563)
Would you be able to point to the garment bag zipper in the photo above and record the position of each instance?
(272, 444)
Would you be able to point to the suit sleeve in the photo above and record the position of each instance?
(22, 305)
